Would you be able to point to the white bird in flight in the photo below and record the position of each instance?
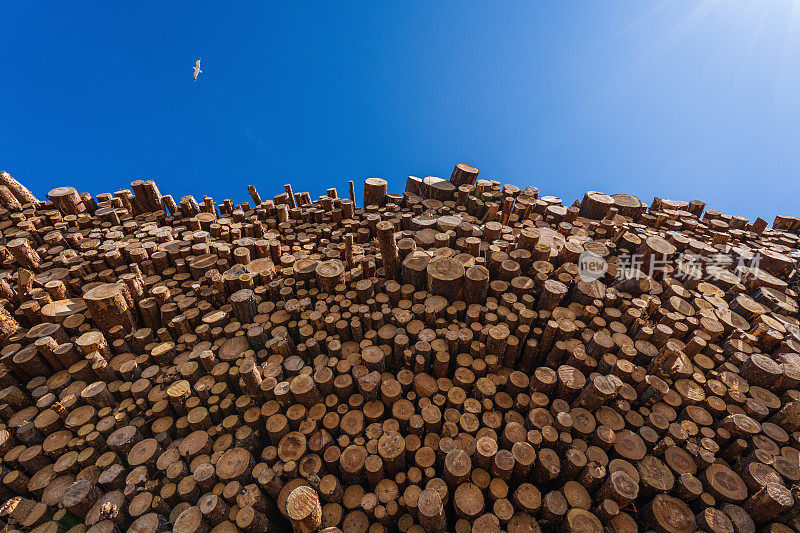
(197, 69)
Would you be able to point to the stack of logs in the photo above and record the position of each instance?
(466, 356)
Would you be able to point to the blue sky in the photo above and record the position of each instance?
(677, 99)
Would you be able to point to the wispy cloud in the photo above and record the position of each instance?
(252, 136)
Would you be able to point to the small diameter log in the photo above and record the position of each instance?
(213, 507)
(388, 248)
(476, 284)
(22, 194)
(251, 375)
(17, 482)
(304, 510)
(392, 449)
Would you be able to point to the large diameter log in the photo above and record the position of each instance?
(468, 501)
(666, 514)
(110, 506)
(595, 394)
(109, 307)
(375, 191)
(330, 274)
(741, 519)
(151, 523)
(304, 510)
(437, 189)
(80, 497)
(620, 488)
(769, 502)
(30, 361)
(463, 174)
(67, 200)
(191, 520)
(445, 277)
(595, 205)
(414, 269)
(391, 448)
(431, 511)
(24, 253)
(8, 200)
(580, 520)
(552, 294)
(245, 306)
(628, 205)
(724, 484)
(22, 193)
(251, 520)
(457, 467)
(235, 464)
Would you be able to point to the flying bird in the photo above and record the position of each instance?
(197, 69)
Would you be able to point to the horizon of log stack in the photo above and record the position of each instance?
(437, 360)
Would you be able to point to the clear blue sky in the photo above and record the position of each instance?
(679, 99)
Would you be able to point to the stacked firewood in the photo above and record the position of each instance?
(465, 356)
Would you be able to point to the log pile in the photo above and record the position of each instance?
(465, 356)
